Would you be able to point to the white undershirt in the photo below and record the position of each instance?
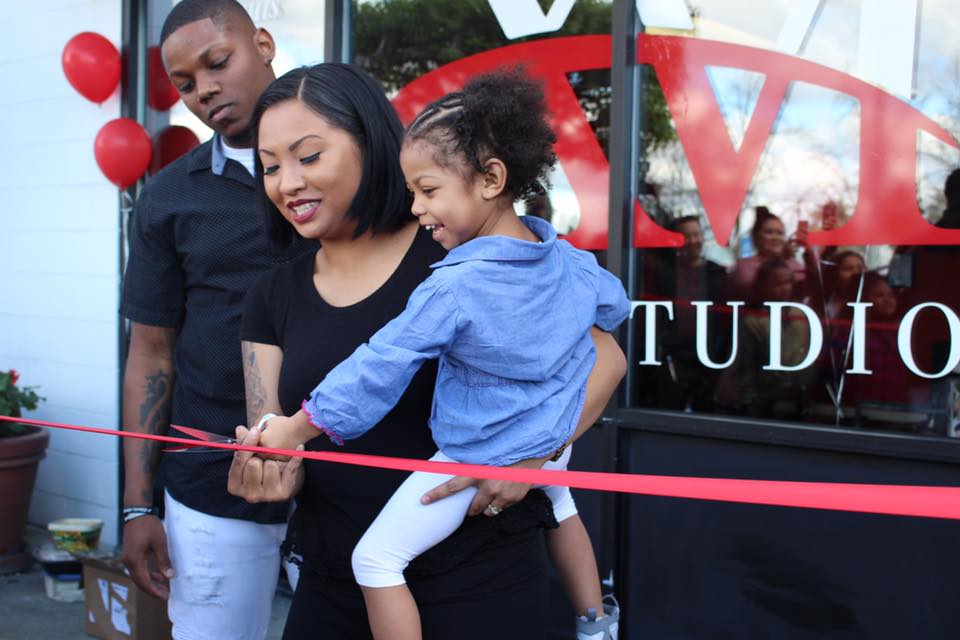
(243, 156)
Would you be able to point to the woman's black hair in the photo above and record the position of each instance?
(763, 214)
(678, 222)
(349, 99)
(497, 115)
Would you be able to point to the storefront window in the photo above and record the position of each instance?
(809, 272)
(422, 49)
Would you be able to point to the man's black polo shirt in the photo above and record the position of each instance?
(197, 243)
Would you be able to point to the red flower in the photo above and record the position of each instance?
(14, 376)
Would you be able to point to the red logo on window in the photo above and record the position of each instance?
(886, 213)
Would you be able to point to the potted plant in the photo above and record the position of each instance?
(21, 450)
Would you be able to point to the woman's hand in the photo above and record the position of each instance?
(257, 480)
(501, 494)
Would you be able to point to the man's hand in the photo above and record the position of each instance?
(258, 480)
(145, 555)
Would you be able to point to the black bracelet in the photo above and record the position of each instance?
(132, 513)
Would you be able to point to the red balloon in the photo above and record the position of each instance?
(170, 144)
(92, 65)
(161, 94)
(122, 148)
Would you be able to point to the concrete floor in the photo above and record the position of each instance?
(26, 613)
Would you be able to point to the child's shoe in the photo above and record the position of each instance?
(589, 627)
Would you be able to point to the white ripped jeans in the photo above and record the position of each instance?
(405, 528)
(226, 574)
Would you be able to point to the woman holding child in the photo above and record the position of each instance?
(328, 156)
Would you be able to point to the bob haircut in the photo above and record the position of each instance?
(349, 99)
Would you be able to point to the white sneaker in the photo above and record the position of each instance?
(589, 627)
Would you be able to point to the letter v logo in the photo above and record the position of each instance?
(520, 18)
(723, 173)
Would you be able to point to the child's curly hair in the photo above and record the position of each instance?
(497, 115)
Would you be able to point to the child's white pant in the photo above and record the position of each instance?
(405, 528)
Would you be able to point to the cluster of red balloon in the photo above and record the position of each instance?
(123, 148)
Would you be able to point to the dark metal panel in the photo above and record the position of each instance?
(133, 104)
(622, 160)
(705, 569)
(807, 436)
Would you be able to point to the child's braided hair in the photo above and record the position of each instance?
(497, 115)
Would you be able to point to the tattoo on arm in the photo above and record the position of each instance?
(256, 396)
(154, 415)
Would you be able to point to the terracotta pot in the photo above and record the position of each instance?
(19, 457)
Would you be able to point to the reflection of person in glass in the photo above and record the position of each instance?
(889, 381)
(770, 242)
(685, 275)
(746, 387)
(841, 279)
(921, 274)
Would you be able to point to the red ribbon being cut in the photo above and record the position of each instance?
(901, 500)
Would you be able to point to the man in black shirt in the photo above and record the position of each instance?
(196, 245)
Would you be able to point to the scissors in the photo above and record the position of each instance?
(207, 436)
(202, 437)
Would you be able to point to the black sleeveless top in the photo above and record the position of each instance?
(338, 502)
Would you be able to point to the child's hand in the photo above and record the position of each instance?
(286, 433)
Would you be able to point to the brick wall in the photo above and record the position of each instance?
(59, 242)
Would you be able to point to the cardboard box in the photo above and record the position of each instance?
(116, 609)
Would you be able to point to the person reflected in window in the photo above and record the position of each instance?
(746, 387)
(682, 276)
(840, 286)
(770, 240)
(890, 383)
(924, 276)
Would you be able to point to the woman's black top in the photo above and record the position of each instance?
(486, 558)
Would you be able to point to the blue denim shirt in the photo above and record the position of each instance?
(509, 321)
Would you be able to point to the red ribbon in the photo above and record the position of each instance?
(901, 500)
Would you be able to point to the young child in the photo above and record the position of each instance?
(508, 313)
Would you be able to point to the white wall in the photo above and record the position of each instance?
(59, 275)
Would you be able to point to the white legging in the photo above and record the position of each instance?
(405, 528)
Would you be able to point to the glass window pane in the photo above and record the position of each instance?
(802, 166)
(422, 49)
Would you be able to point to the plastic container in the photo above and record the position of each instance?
(76, 534)
(63, 588)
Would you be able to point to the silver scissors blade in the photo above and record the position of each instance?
(202, 437)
